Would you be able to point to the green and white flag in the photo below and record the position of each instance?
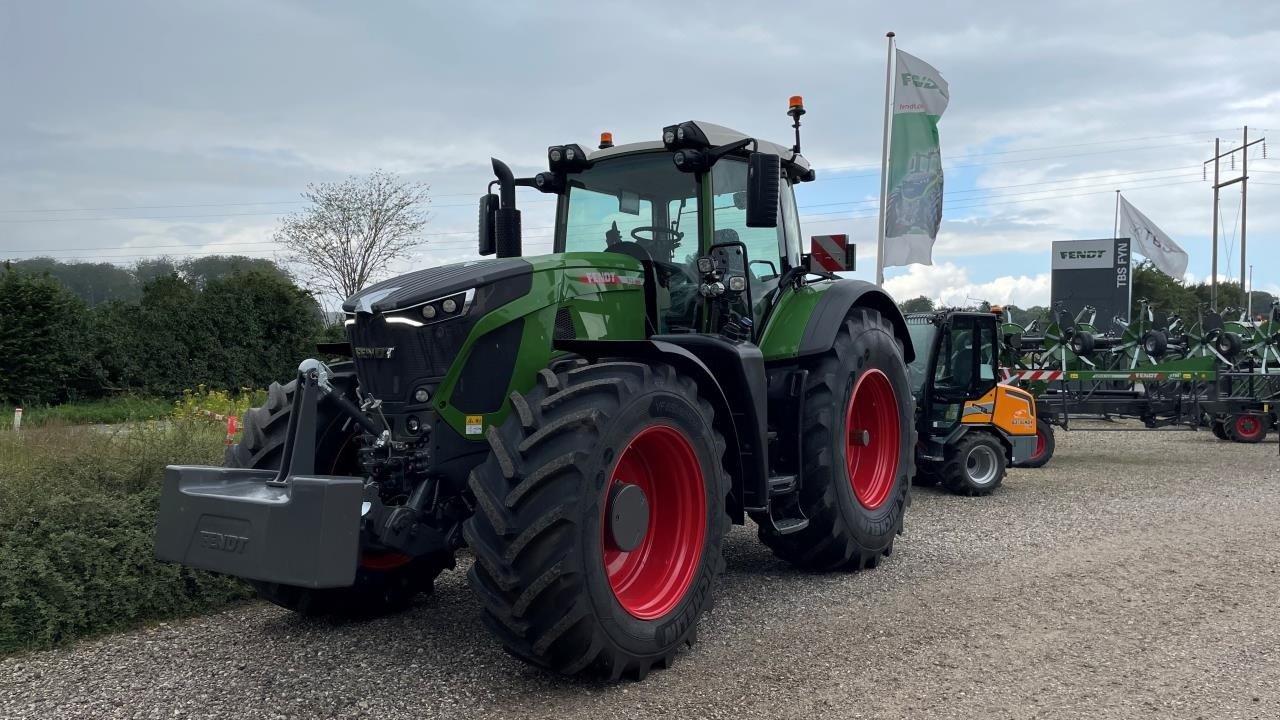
(913, 210)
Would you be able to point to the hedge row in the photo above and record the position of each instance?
(77, 523)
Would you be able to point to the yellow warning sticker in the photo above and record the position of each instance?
(475, 424)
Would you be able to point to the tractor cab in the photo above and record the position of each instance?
(709, 212)
(970, 425)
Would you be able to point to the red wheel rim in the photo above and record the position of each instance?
(872, 438)
(650, 580)
(1248, 426)
(1040, 443)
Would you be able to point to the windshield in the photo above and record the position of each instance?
(922, 340)
(640, 198)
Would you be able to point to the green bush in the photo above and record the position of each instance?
(77, 522)
(119, 409)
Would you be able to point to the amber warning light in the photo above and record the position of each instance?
(606, 140)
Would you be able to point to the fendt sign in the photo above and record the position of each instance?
(1093, 272)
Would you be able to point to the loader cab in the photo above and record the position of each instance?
(960, 364)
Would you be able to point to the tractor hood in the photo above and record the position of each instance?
(422, 285)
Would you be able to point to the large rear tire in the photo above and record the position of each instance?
(568, 472)
(859, 443)
(385, 582)
(1045, 445)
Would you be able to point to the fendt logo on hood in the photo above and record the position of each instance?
(373, 353)
(1081, 254)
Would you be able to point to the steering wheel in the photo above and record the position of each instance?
(653, 231)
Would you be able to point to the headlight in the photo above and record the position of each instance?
(440, 309)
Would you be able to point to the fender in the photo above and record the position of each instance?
(834, 304)
(732, 377)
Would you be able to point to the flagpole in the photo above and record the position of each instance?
(1115, 227)
(884, 158)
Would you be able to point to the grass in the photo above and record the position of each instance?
(77, 520)
(119, 409)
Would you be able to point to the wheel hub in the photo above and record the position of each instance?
(628, 516)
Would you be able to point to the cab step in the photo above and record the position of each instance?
(782, 485)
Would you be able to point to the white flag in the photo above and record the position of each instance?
(913, 209)
(1152, 242)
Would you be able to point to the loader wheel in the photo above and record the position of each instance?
(859, 442)
(385, 582)
(1045, 445)
(1246, 428)
(600, 514)
(975, 465)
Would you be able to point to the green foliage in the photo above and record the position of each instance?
(916, 305)
(43, 328)
(97, 283)
(77, 521)
(1173, 297)
(196, 405)
(112, 410)
(245, 329)
(91, 282)
(224, 326)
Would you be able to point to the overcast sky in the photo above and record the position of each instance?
(132, 129)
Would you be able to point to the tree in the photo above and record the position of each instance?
(203, 270)
(917, 305)
(353, 230)
(42, 333)
(92, 282)
(147, 270)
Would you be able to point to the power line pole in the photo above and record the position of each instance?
(1244, 202)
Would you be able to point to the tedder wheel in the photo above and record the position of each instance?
(385, 582)
(975, 465)
(600, 514)
(859, 450)
(1219, 430)
(1246, 428)
(1044, 445)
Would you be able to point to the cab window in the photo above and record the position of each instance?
(729, 183)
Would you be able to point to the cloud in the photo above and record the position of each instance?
(239, 101)
(950, 284)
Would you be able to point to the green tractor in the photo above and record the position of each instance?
(587, 423)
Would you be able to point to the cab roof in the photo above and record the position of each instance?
(716, 135)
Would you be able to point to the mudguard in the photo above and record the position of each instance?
(834, 305)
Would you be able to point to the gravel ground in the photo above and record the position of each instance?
(1136, 576)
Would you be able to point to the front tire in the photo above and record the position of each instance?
(975, 465)
(560, 587)
(859, 442)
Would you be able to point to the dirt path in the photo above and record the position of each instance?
(1136, 576)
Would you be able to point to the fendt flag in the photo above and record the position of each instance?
(914, 206)
(1152, 242)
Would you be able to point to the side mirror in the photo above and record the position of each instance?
(488, 226)
(764, 172)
